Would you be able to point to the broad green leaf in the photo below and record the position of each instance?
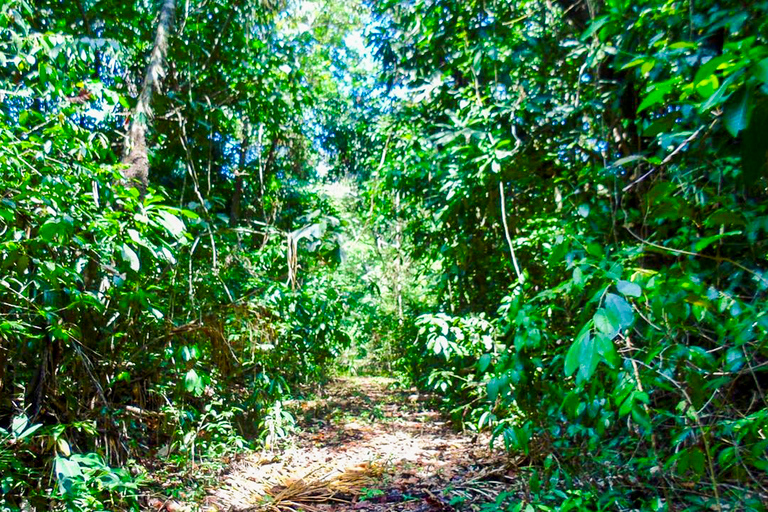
(734, 359)
(171, 223)
(595, 249)
(578, 276)
(708, 86)
(647, 66)
(696, 461)
(588, 357)
(709, 68)
(193, 383)
(627, 404)
(575, 358)
(130, 256)
(484, 362)
(620, 309)
(629, 289)
(717, 97)
(18, 425)
(596, 25)
(66, 471)
(605, 324)
(737, 112)
(495, 385)
(607, 350)
(48, 230)
(654, 97)
(656, 92)
(572, 358)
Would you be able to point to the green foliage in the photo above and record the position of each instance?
(169, 323)
(561, 228)
(85, 482)
(587, 176)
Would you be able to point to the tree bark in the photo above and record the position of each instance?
(137, 172)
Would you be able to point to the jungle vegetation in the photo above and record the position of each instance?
(551, 213)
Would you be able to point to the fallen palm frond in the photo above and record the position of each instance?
(303, 493)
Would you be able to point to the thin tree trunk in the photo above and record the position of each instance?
(264, 171)
(137, 173)
(520, 277)
(234, 212)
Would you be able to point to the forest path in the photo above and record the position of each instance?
(363, 446)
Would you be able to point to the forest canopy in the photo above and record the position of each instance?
(551, 214)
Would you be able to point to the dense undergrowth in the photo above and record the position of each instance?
(584, 183)
(551, 213)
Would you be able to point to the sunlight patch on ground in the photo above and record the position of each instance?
(362, 434)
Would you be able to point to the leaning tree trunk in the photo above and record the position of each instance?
(137, 172)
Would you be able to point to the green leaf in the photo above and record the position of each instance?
(706, 242)
(633, 63)
(595, 249)
(607, 350)
(605, 323)
(588, 357)
(717, 97)
(193, 383)
(48, 230)
(66, 471)
(734, 359)
(737, 112)
(494, 386)
(654, 97)
(130, 256)
(627, 404)
(629, 289)
(656, 92)
(572, 357)
(596, 25)
(620, 309)
(484, 362)
(709, 68)
(171, 223)
(696, 461)
(761, 70)
(18, 425)
(578, 276)
(629, 159)
(534, 483)
(647, 66)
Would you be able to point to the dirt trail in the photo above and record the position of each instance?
(365, 447)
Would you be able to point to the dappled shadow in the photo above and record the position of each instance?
(365, 446)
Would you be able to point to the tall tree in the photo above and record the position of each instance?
(135, 150)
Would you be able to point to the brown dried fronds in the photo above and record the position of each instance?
(332, 485)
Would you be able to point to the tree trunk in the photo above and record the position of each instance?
(137, 172)
(237, 197)
(265, 170)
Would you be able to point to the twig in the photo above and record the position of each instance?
(718, 259)
(670, 156)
